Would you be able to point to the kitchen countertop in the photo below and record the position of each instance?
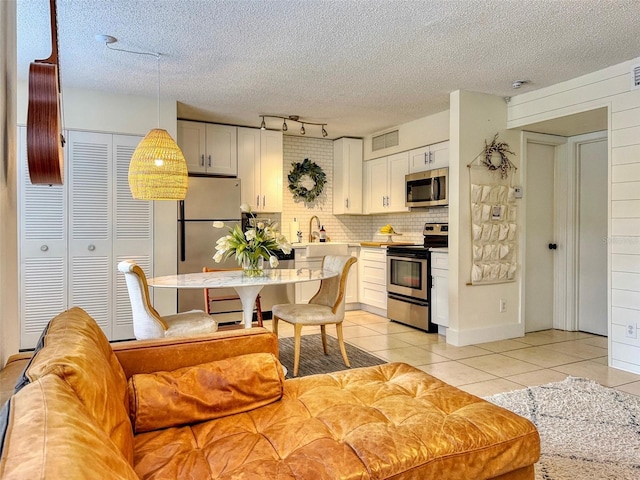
(439, 249)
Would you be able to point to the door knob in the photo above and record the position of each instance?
(553, 246)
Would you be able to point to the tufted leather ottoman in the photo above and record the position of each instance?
(390, 421)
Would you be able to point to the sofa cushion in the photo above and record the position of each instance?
(388, 421)
(51, 435)
(76, 350)
(23, 379)
(204, 392)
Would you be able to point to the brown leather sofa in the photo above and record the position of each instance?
(219, 407)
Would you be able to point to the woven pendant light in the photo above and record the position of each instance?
(158, 170)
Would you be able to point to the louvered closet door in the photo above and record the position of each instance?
(42, 251)
(91, 265)
(133, 233)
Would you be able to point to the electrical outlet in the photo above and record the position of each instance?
(630, 331)
(503, 305)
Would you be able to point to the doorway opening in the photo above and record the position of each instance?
(565, 228)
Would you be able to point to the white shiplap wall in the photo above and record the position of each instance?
(341, 228)
(612, 88)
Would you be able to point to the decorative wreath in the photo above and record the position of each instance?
(297, 175)
(501, 149)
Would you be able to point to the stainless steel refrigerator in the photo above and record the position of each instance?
(208, 199)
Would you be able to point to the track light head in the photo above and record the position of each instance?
(292, 118)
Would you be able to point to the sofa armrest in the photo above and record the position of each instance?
(167, 354)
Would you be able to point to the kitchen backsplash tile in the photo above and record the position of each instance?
(341, 228)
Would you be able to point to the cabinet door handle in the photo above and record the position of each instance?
(44, 248)
(209, 160)
(431, 160)
(426, 158)
(258, 201)
(264, 200)
(202, 160)
(346, 203)
(91, 247)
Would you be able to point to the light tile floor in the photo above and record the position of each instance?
(486, 368)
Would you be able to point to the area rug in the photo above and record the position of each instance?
(313, 360)
(587, 431)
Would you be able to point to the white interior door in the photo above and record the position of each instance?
(592, 174)
(540, 232)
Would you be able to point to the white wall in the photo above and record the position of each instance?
(474, 315)
(8, 222)
(611, 88)
(418, 133)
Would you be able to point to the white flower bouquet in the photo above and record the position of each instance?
(252, 247)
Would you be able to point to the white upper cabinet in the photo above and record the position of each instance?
(385, 187)
(260, 168)
(209, 148)
(192, 142)
(429, 157)
(347, 176)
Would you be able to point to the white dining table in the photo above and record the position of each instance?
(247, 287)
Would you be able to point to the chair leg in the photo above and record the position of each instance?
(341, 342)
(259, 311)
(296, 351)
(274, 324)
(323, 331)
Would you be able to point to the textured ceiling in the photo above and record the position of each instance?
(360, 66)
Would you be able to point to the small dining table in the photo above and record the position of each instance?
(247, 287)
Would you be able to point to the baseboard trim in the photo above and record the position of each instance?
(474, 336)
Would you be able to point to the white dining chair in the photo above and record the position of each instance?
(325, 307)
(147, 322)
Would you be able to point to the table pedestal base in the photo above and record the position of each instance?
(248, 295)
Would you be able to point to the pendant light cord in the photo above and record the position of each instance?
(151, 54)
(158, 92)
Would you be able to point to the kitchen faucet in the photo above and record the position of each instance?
(311, 236)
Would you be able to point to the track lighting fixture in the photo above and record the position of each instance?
(293, 118)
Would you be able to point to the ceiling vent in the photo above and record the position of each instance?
(386, 140)
(635, 76)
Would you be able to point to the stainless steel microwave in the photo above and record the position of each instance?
(428, 189)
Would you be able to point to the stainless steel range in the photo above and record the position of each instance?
(409, 278)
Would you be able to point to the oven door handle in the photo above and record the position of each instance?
(405, 256)
(413, 301)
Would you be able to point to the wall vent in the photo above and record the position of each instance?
(386, 140)
(635, 76)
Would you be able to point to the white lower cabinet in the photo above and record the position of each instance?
(372, 273)
(440, 289)
(351, 294)
(304, 291)
(72, 236)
